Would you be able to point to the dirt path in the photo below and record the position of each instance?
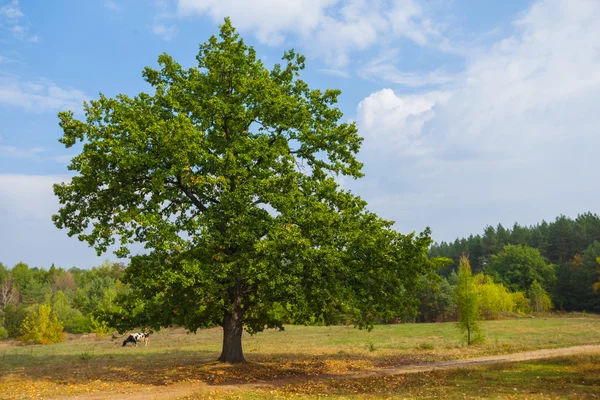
(187, 389)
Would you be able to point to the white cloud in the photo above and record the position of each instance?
(15, 152)
(29, 196)
(271, 20)
(63, 159)
(383, 69)
(515, 139)
(335, 28)
(12, 20)
(111, 5)
(41, 95)
(36, 154)
(335, 72)
(393, 125)
(166, 32)
(27, 203)
(12, 11)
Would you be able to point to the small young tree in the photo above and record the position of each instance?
(538, 298)
(467, 301)
(42, 327)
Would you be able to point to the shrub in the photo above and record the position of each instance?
(436, 300)
(42, 327)
(71, 318)
(87, 355)
(521, 303)
(3, 333)
(425, 346)
(538, 298)
(100, 328)
(494, 298)
(77, 323)
(13, 319)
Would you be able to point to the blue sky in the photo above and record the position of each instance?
(473, 112)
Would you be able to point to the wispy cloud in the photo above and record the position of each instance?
(27, 203)
(12, 11)
(166, 32)
(13, 21)
(111, 5)
(15, 152)
(29, 195)
(384, 69)
(35, 154)
(387, 72)
(329, 29)
(335, 72)
(38, 96)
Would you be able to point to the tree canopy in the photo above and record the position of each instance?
(226, 173)
(519, 266)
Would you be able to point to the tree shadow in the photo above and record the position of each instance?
(139, 366)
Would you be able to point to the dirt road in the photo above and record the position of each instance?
(186, 389)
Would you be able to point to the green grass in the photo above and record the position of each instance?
(86, 363)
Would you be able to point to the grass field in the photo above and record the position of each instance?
(85, 364)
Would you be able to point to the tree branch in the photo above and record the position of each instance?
(190, 195)
(271, 142)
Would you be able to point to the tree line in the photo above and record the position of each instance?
(38, 305)
(560, 256)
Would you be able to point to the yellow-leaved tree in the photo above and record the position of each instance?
(494, 298)
(42, 327)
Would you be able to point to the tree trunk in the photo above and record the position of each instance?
(468, 334)
(232, 336)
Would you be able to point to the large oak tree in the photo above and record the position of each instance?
(226, 175)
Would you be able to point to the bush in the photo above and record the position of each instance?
(71, 318)
(425, 346)
(42, 327)
(100, 328)
(521, 303)
(538, 298)
(3, 333)
(436, 300)
(494, 298)
(13, 318)
(77, 323)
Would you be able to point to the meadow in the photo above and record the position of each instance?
(308, 362)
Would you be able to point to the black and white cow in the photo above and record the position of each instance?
(135, 338)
